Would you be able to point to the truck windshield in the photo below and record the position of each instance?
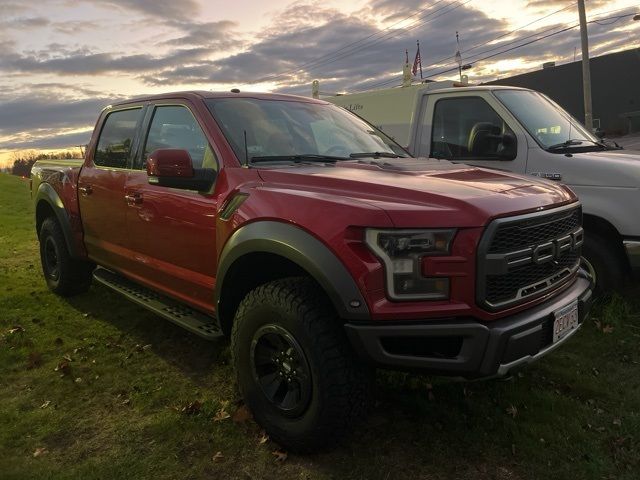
(546, 121)
(297, 130)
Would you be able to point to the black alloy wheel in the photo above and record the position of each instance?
(281, 369)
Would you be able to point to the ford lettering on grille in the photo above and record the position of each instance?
(551, 251)
(523, 257)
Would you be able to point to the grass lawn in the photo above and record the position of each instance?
(96, 387)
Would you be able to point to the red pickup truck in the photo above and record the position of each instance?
(318, 244)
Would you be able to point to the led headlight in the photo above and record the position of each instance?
(401, 251)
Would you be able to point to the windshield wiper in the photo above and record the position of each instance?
(310, 157)
(572, 143)
(375, 155)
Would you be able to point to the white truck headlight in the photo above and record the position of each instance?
(401, 252)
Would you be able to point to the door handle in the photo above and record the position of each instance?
(133, 198)
(85, 190)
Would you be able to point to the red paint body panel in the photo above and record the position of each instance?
(171, 240)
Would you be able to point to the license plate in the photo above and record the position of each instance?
(565, 321)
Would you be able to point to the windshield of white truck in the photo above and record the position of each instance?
(551, 126)
(262, 130)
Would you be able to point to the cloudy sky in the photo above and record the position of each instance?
(61, 61)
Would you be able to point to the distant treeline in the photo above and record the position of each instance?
(23, 161)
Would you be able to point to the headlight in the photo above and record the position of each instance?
(401, 251)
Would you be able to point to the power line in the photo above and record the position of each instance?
(483, 43)
(615, 19)
(329, 54)
(383, 38)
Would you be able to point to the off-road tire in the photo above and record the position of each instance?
(605, 260)
(69, 276)
(340, 384)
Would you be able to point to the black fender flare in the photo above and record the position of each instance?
(46, 193)
(303, 249)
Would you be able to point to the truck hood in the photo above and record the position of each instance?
(610, 168)
(418, 192)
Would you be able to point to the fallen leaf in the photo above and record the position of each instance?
(617, 421)
(242, 414)
(192, 408)
(126, 401)
(221, 415)
(264, 438)
(218, 457)
(607, 329)
(63, 367)
(67, 357)
(280, 455)
(34, 360)
(16, 329)
(46, 404)
(146, 347)
(78, 380)
(40, 451)
(512, 410)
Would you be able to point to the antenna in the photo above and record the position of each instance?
(246, 150)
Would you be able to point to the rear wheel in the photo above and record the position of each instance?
(64, 275)
(294, 365)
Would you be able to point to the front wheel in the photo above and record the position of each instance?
(294, 365)
(605, 261)
(64, 275)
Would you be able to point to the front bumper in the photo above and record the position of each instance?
(466, 347)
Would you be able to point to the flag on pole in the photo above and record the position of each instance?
(417, 62)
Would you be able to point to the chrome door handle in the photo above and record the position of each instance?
(85, 190)
(133, 198)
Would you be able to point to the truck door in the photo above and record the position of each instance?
(173, 230)
(470, 127)
(101, 188)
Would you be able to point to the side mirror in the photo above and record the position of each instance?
(173, 168)
(170, 162)
(508, 149)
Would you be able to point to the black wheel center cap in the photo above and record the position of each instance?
(281, 370)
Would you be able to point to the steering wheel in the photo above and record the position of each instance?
(338, 151)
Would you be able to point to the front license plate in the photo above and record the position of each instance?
(565, 320)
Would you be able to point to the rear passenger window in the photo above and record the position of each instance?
(174, 126)
(114, 144)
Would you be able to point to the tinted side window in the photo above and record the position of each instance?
(469, 128)
(114, 144)
(175, 127)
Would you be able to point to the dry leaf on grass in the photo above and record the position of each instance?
(221, 414)
(40, 451)
(63, 367)
(218, 457)
(34, 360)
(16, 329)
(46, 404)
(241, 415)
(280, 455)
(512, 410)
(263, 438)
(192, 408)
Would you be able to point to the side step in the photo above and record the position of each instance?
(174, 311)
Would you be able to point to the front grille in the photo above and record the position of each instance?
(509, 237)
(520, 258)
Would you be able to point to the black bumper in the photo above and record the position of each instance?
(466, 347)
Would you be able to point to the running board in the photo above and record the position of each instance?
(176, 312)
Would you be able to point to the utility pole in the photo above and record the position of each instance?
(586, 70)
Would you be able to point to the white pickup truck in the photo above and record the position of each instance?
(522, 131)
